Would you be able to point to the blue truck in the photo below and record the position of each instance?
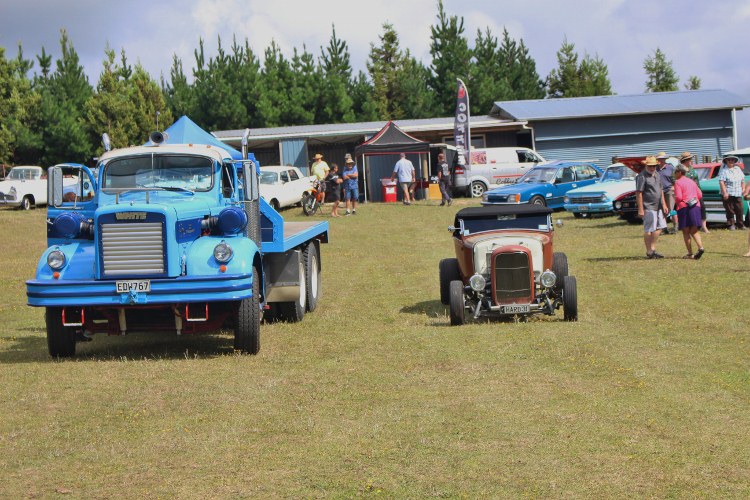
(171, 236)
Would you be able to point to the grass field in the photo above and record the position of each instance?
(374, 394)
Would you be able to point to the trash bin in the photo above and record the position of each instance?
(389, 190)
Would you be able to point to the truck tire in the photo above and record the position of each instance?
(26, 203)
(448, 269)
(538, 200)
(477, 189)
(61, 340)
(293, 312)
(312, 276)
(560, 268)
(570, 299)
(247, 322)
(457, 309)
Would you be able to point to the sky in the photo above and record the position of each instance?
(705, 39)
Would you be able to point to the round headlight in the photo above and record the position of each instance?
(223, 253)
(604, 197)
(618, 205)
(566, 200)
(477, 282)
(56, 260)
(548, 279)
(232, 220)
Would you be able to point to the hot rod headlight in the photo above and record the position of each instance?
(618, 205)
(477, 282)
(548, 279)
(56, 260)
(223, 253)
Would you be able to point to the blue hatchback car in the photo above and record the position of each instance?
(545, 184)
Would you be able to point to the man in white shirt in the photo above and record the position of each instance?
(406, 175)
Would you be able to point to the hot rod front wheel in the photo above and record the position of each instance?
(457, 305)
(448, 272)
(570, 299)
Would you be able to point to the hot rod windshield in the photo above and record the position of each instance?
(193, 173)
(536, 222)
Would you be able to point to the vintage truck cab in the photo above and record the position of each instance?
(505, 265)
(173, 237)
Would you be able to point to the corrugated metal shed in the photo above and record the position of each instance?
(579, 107)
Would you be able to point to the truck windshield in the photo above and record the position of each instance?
(193, 173)
(537, 222)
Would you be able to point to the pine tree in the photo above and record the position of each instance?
(525, 80)
(571, 79)
(490, 73)
(594, 76)
(363, 104)
(178, 93)
(276, 78)
(335, 104)
(304, 92)
(450, 59)
(383, 66)
(693, 83)
(660, 74)
(20, 137)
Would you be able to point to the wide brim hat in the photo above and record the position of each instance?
(687, 155)
(731, 157)
(650, 161)
(348, 160)
(662, 155)
(318, 157)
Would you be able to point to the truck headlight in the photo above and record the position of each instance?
(477, 282)
(56, 260)
(223, 253)
(548, 279)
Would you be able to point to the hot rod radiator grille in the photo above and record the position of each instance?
(512, 276)
(133, 248)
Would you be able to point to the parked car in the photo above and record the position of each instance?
(505, 265)
(545, 185)
(597, 198)
(24, 187)
(492, 166)
(283, 186)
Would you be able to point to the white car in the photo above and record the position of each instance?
(283, 186)
(24, 187)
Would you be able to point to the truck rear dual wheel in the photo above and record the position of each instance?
(313, 286)
(293, 312)
(247, 322)
(448, 269)
(61, 340)
(457, 304)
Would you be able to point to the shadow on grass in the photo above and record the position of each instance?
(431, 308)
(135, 346)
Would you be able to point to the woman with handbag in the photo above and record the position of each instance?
(687, 202)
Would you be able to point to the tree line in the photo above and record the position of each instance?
(56, 115)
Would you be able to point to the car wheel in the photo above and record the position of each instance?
(457, 308)
(275, 205)
(477, 189)
(26, 203)
(560, 268)
(538, 200)
(578, 215)
(570, 299)
(294, 311)
(61, 340)
(312, 276)
(247, 321)
(448, 272)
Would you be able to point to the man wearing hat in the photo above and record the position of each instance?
(649, 195)
(686, 159)
(732, 184)
(351, 184)
(666, 175)
(320, 170)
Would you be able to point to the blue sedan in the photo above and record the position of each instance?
(545, 184)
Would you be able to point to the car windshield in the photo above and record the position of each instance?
(618, 173)
(703, 173)
(512, 221)
(538, 176)
(268, 177)
(18, 174)
(176, 172)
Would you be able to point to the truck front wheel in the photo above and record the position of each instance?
(247, 322)
(61, 340)
(457, 305)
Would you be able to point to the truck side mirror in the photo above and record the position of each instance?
(250, 181)
(55, 186)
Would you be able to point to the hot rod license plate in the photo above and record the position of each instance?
(137, 286)
(516, 309)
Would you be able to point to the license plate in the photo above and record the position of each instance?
(137, 286)
(583, 209)
(516, 309)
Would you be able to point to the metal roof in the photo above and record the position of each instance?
(581, 107)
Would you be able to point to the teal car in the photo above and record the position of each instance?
(598, 198)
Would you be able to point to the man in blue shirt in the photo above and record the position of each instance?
(351, 184)
(405, 171)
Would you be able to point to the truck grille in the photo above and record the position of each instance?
(511, 273)
(133, 248)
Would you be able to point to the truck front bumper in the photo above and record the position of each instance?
(181, 290)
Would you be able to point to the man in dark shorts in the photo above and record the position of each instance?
(649, 195)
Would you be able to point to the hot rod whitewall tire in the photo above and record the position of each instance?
(457, 309)
(560, 268)
(448, 269)
(61, 340)
(312, 276)
(247, 322)
(570, 299)
(293, 312)
(25, 203)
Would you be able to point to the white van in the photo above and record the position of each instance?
(492, 166)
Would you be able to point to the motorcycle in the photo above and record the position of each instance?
(313, 198)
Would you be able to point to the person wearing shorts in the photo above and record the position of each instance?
(351, 185)
(649, 196)
(404, 169)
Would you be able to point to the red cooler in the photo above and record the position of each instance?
(389, 190)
